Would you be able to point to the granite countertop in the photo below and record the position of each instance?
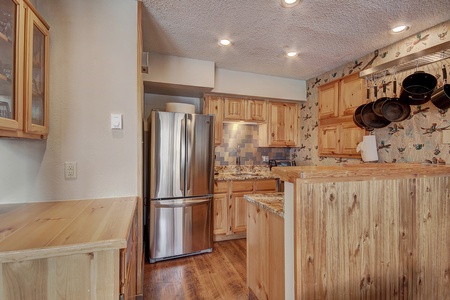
(246, 173)
(245, 176)
(272, 202)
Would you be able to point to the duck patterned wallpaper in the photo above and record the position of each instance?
(417, 139)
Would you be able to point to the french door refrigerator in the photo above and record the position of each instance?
(181, 168)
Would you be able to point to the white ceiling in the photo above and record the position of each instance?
(326, 33)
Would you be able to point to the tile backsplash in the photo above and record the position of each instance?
(242, 139)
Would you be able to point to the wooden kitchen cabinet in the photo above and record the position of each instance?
(230, 207)
(234, 109)
(246, 110)
(338, 100)
(278, 121)
(239, 204)
(256, 110)
(329, 100)
(220, 208)
(282, 128)
(339, 139)
(24, 74)
(265, 254)
(213, 105)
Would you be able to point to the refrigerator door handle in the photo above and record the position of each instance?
(189, 155)
(175, 203)
(183, 155)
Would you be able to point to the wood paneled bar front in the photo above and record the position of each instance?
(368, 231)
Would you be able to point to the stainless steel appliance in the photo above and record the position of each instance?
(181, 170)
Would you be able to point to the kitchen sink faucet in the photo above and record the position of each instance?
(238, 160)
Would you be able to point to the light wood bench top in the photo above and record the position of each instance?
(45, 229)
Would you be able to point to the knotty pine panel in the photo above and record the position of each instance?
(379, 239)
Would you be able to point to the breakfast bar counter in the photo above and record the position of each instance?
(378, 231)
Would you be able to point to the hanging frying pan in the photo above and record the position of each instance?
(417, 88)
(378, 103)
(441, 96)
(357, 115)
(393, 109)
(370, 119)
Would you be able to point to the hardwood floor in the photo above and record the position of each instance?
(218, 275)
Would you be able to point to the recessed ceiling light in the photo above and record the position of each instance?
(289, 3)
(225, 42)
(400, 28)
(291, 54)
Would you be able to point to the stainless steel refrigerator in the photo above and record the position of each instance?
(181, 171)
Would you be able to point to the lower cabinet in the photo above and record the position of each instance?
(230, 207)
(129, 263)
(265, 254)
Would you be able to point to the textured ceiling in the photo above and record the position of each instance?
(326, 33)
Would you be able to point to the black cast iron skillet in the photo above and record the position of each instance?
(441, 97)
(357, 115)
(395, 110)
(370, 119)
(377, 104)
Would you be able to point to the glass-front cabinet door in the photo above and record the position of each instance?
(37, 37)
(11, 65)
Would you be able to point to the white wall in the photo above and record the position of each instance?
(166, 69)
(179, 70)
(242, 83)
(92, 74)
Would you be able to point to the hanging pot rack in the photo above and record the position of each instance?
(408, 62)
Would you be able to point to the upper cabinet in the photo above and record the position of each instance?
(234, 109)
(247, 110)
(282, 128)
(256, 110)
(278, 121)
(213, 105)
(338, 100)
(24, 59)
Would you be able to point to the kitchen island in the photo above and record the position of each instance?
(378, 231)
(80, 249)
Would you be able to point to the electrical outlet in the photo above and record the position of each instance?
(70, 170)
(265, 158)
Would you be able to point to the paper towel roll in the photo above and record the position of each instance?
(368, 147)
(180, 107)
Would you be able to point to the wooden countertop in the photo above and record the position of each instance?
(44, 229)
(360, 171)
(272, 202)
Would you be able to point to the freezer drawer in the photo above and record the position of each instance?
(179, 227)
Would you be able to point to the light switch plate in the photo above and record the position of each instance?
(116, 121)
